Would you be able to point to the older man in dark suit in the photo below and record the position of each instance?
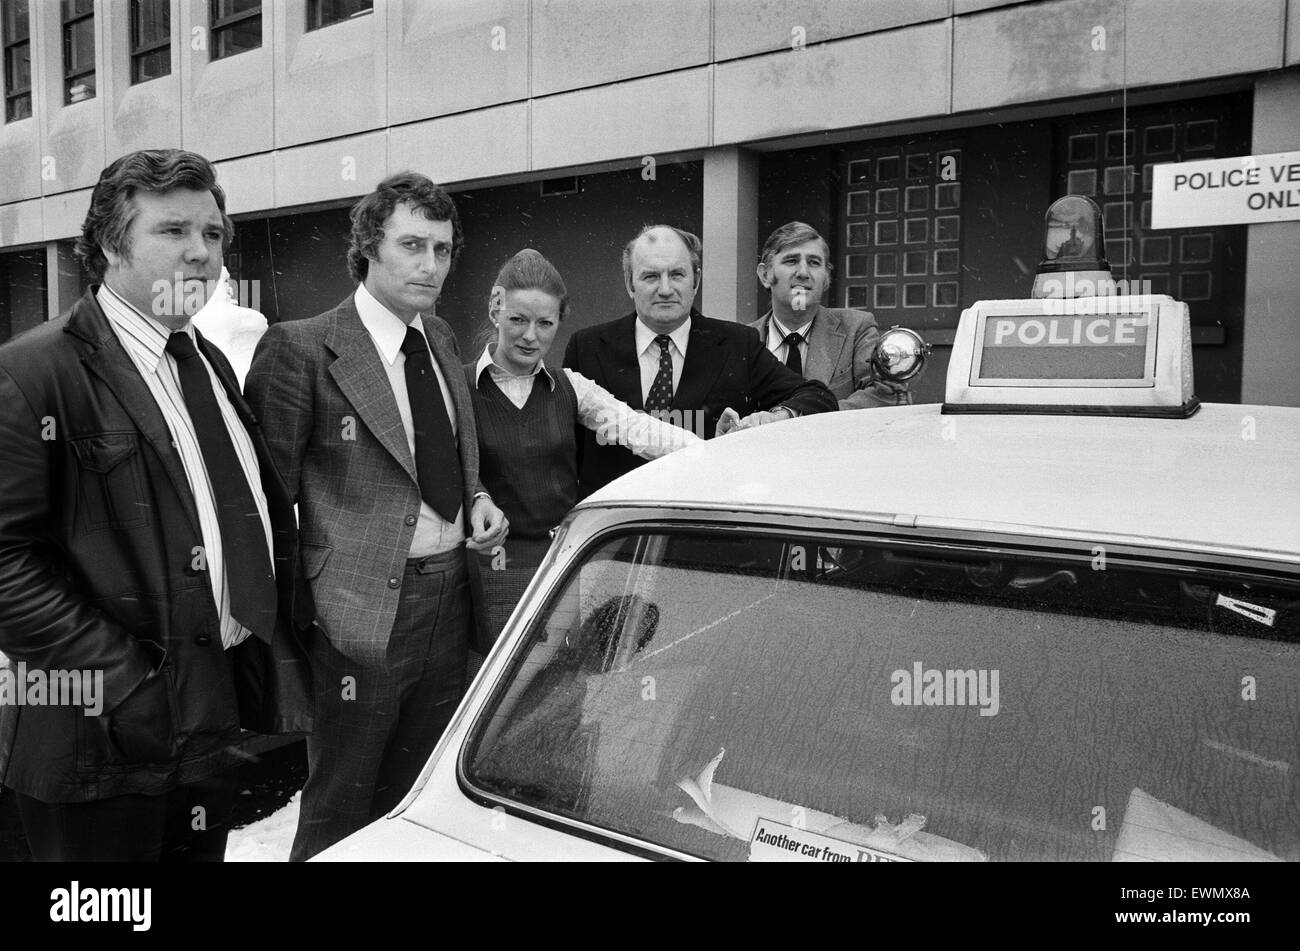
(833, 345)
(147, 543)
(368, 415)
(668, 359)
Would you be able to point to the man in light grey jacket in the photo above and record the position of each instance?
(832, 345)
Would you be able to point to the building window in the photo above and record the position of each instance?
(151, 37)
(1192, 264)
(324, 12)
(78, 50)
(904, 200)
(236, 27)
(18, 60)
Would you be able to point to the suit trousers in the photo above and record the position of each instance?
(375, 726)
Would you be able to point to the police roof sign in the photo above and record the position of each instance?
(1244, 190)
(1128, 354)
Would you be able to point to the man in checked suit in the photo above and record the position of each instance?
(667, 358)
(368, 416)
(832, 345)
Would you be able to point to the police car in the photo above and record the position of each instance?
(1055, 618)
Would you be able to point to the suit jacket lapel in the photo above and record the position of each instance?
(702, 365)
(111, 363)
(360, 374)
(618, 360)
(825, 344)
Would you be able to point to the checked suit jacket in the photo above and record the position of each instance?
(840, 347)
(334, 430)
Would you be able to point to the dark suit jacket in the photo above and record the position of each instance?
(97, 537)
(726, 366)
(335, 432)
(840, 347)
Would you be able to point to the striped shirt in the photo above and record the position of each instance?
(145, 341)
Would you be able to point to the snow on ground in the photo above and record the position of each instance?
(266, 840)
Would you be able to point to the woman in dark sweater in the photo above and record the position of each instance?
(526, 415)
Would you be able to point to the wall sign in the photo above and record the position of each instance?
(1247, 190)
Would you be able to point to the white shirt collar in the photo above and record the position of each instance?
(146, 337)
(779, 329)
(500, 372)
(386, 329)
(645, 337)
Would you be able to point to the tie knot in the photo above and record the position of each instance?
(414, 342)
(794, 338)
(180, 345)
(664, 341)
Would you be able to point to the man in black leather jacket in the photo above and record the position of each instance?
(147, 544)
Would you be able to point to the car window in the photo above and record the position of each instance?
(764, 696)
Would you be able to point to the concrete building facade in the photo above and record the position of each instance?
(925, 138)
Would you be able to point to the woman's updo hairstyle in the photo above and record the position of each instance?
(530, 271)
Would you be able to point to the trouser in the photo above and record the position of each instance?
(188, 824)
(375, 725)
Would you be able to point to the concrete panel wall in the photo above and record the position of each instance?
(20, 157)
(72, 136)
(64, 213)
(457, 103)
(580, 43)
(327, 171)
(459, 148)
(660, 114)
(147, 115)
(875, 78)
(249, 183)
(328, 82)
(1039, 51)
(1271, 343)
(960, 7)
(447, 56)
(1210, 37)
(228, 105)
(744, 27)
(21, 222)
(1293, 33)
(730, 234)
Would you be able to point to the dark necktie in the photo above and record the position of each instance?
(792, 358)
(249, 574)
(661, 390)
(437, 461)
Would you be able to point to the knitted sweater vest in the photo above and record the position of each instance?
(528, 458)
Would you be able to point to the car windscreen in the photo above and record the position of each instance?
(771, 696)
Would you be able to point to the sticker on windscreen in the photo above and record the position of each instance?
(777, 842)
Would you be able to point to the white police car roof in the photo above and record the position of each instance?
(1225, 480)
